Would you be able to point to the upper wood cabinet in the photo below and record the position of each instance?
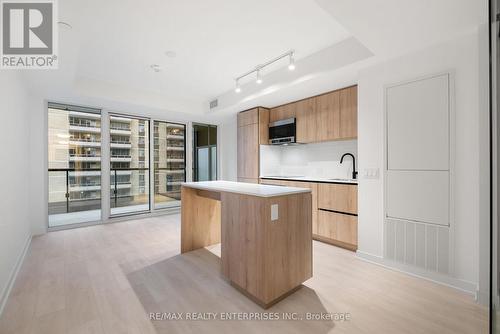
(248, 117)
(349, 112)
(326, 117)
(306, 118)
(252, 131)
(282, 112)
(263, 126)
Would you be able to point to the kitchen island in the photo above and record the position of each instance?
(265, 234)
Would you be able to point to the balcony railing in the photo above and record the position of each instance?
(87, 140)
(118, 127)
(85, 124)
(71, 200)
(129, 187)
(82, 155)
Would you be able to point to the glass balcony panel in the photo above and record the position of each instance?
(74, 157)
(169, 163)
(129, 169)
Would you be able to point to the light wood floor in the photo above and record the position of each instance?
(106, 279)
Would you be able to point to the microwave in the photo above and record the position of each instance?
(282, 132)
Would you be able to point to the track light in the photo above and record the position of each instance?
(259, 78)
(257, 70)
(291, 65)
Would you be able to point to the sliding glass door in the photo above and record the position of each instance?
(204, 152)
(74, 165)
(129, 164)
(169, 163)
(75, 191)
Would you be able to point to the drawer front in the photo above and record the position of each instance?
(338, 197)
(338, 227)
(271, 182)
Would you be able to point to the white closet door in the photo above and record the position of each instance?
(419, 196)
(418, 151)
(418, 125)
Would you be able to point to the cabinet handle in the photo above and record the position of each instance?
(339, 212)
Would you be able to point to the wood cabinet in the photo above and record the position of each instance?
(338, 229)
(252, 131)
(349, 113)
(282, 112)
(326, 117)
(245, 180)
(338, 214)
(334, 211)
(338, 197)
(263, 126)
(314, 192)
(306, 121)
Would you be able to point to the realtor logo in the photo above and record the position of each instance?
(29, 34)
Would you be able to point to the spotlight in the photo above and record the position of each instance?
(238, 88)
(259, 78)
(291, 65)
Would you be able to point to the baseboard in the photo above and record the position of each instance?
(5, 294)
(118, 219)
(482, 297)
(462, 285)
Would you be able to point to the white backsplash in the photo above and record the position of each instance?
(319, 160)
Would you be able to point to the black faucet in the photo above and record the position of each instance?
(354, 173)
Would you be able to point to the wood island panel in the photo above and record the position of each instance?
(200, 219)
(266, 260)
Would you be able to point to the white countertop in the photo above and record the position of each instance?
(310, 179)
(252, 189)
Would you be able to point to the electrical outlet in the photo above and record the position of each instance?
(274, 212)
(371, 173)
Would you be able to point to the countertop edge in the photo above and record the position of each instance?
(284, 193)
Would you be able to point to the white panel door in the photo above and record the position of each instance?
(418, 125)
(421, 196)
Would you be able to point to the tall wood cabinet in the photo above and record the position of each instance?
(252, 131)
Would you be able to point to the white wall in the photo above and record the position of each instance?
(460, 56)
(228, 149)
(15, 229)
(308, 159)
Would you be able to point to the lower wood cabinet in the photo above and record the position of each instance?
(338, 197)
(338, 229)
(247, 180)
(334, 211)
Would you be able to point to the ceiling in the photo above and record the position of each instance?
(104, 60)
